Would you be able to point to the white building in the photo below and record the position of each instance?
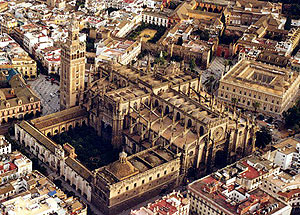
(32, 38)
(123, 52)
(287, 155)
(5, 147)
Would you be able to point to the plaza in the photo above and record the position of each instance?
(48, 93)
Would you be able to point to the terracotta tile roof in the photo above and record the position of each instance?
(39, 136)
(59, 117)
(79, 168)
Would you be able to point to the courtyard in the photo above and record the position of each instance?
(147, 34)
(92, 150)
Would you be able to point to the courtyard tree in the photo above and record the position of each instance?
(192, 64)
(92, 151)
(230, 64)
(223, 19)
(225, 63)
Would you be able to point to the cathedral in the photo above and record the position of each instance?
(159, 115)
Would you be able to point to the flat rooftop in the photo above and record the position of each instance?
(219, 195)
(259, 76)
(287, 146)
(41, 197)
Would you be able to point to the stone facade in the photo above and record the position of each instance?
(18, 100)
(54, 155)
(128, 181)
(169, 108)
(72, 68)
(252, 82)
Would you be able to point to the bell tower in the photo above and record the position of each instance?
(72, 68)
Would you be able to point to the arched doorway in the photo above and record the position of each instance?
(220, 159)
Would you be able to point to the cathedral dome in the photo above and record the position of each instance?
(122, 168)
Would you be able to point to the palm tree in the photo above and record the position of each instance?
(256, 105)
(234, 102)
(225, 63)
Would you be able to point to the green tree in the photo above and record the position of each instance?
(288, 23)
(255, 105)
(192, 64)
(230, 64)
(263, 137)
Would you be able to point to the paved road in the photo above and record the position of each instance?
(47, 93)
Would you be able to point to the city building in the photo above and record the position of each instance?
(8, 21)
(285, 187)
(17, 58)
(18, 100)
(229, 192)
(251, 82)
(5, 147)
(13, 165)
(35, 194)
(123, 52)
(287, 155)
(173, 203)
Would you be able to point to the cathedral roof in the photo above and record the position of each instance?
(122, 168)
